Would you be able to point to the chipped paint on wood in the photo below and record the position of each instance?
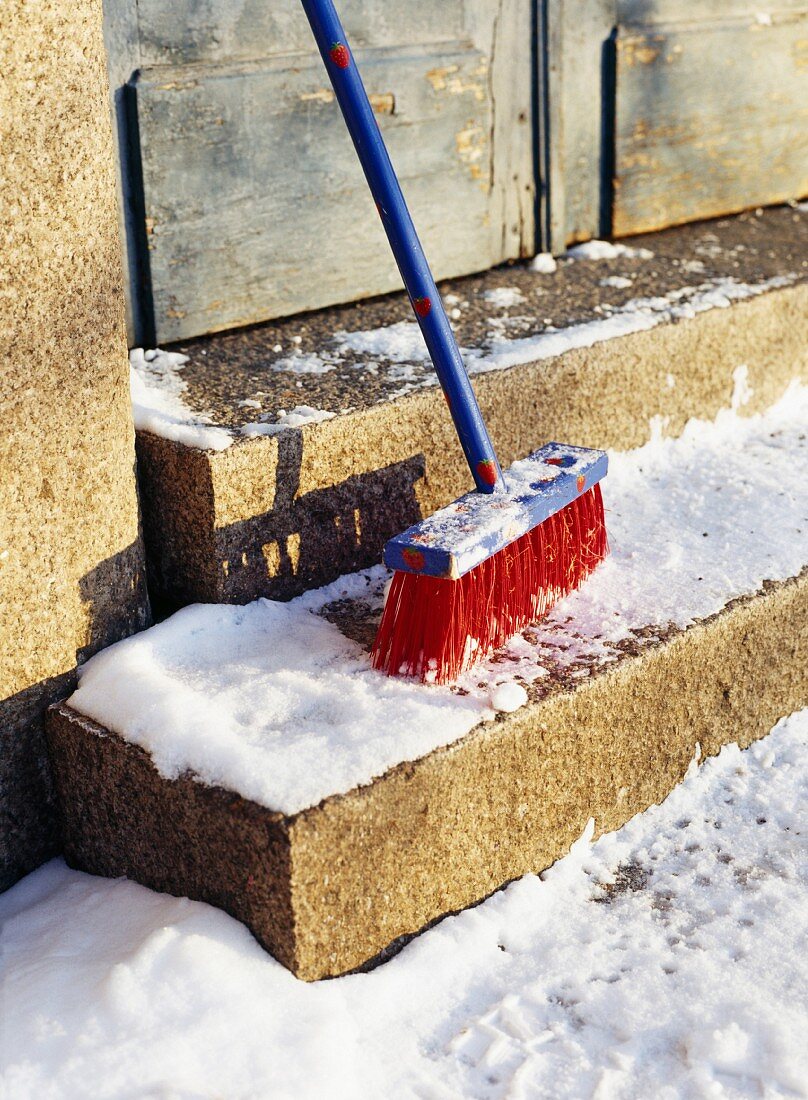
(383, 103)
(472, 147)
(640, 50)
(715, 122)
(321, 95)
(449, 79)
(438, 77)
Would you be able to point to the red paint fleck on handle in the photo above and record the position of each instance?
(422, 306)
(340, 56)
(581, 482)
(487, 471)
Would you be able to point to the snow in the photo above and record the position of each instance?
(398, 343)
(665, 960)
(157, 402)
(296, 418)
(504, 297)
(742, 392)
(272, 701)
(544, 264)
(403, 342)
(158, 388)
(637, 315)
(619, 282)
(508, 697)
(269, 700)
(304, 363)
(605, 250)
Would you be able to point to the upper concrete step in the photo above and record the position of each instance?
(250, 756)
(241, 500)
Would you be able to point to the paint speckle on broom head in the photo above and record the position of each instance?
(414, 558)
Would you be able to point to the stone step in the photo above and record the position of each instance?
(251, 758)
(677, 325)
(340, 883)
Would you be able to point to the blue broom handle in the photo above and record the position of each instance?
(424, 296)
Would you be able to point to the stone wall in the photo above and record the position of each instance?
(71, 556)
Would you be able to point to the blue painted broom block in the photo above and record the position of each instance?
(465, 533)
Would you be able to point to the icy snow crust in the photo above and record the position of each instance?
(606, 250)
(665, 961)
(272, 701)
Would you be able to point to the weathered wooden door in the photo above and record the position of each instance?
(656, 112)
(244, 199)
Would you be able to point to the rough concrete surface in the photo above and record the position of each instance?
(336, 886)
(273, 516)
(71, 556)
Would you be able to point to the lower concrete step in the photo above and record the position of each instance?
(278, 458)
(250, 757)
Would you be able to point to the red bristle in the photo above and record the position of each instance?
(435, 629)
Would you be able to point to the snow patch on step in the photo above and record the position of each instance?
(398, 343)
(544, 264)
(403, 341)
(294, 418)
(617, 282)
(504, 297)
(158, 405)
(272, 701)
(607, 250)
(637, 315)
(305, 363)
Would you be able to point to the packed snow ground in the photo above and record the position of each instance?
(666, 961)
(273, 701)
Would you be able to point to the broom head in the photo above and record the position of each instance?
(479, 571)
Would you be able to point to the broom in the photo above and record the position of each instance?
(480, 570)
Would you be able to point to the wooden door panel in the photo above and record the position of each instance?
(247, 201)
(254, 199)
(233, 30)
(710, 119)
(654, 112)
